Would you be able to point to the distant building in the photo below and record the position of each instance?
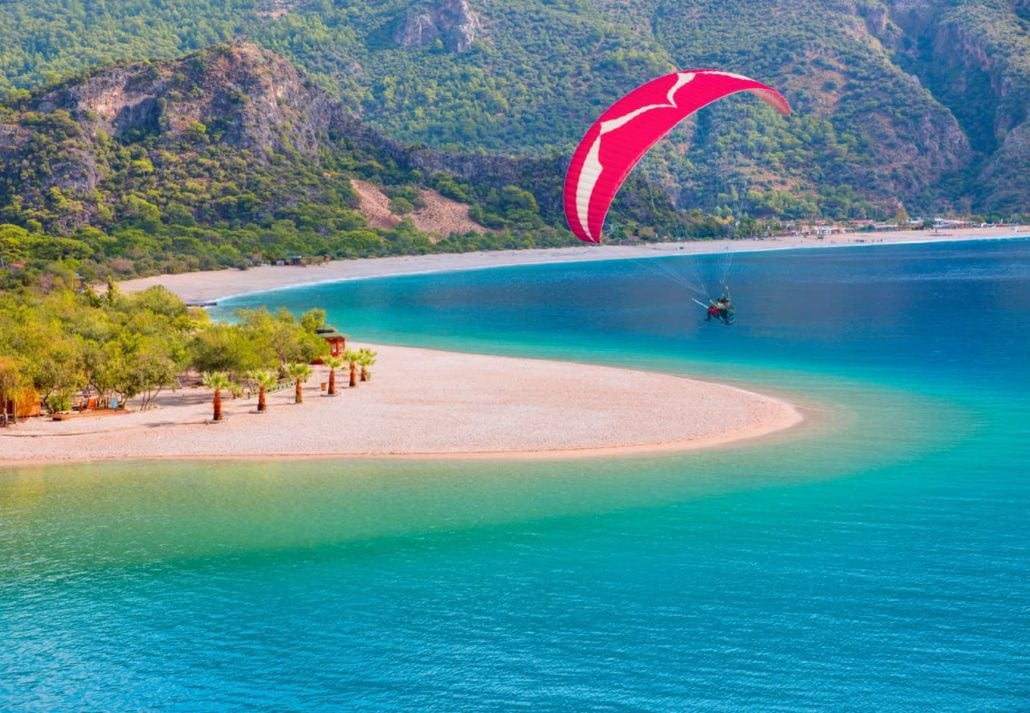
(24, 403)
(939, 223)
(337, 340)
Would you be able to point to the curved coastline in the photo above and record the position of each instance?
(430, 404)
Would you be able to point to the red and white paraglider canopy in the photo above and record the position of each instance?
(631, 126)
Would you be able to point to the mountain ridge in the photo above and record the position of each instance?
(914, 104)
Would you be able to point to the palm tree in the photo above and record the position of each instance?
(368, 358)
(299, 373)
(217, 381)
(333, 363)
(352, 358)
(264, 379)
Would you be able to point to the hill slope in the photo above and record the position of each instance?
(920, 103)
(227, 157)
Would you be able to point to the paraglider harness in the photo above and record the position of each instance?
(720, 310)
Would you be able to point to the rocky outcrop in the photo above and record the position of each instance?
(233, 101)
(956, 61)
(877, 21)
(241, 95)
(451, 21)
(1004, 183)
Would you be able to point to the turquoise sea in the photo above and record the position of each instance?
(876, 559)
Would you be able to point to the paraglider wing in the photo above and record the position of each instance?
(631, 126)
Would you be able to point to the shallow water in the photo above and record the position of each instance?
(877, 558)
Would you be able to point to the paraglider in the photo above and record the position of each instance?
(628, 128)
(621, 136)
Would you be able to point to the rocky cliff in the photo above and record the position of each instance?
(976, 63)
(243, 96)
(450, 21)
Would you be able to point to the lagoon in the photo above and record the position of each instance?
(877, 560)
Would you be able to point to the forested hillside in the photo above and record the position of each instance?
(919, 104)
(229, 157)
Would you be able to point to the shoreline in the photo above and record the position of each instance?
(215, 285)
(431, 404)
(470, 408)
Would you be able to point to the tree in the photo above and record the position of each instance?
(353, 358)
(225, 348)
(901, 217)
(299, 373)
(217, 381)
(333, 363)
(279, 337)
(264, 380)
(58, 372)
(161, 301)
(113, 294)
(105, 365)
(148, 370)
(367, 359)
(14, 242)
(312, 319)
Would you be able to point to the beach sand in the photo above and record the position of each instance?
(425, 403)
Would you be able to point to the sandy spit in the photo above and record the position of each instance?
(425, 403)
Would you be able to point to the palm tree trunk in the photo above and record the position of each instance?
(353, 375)
(364, 374)
(298, 396)
(332, 381)
(262, 406)
(218, 406)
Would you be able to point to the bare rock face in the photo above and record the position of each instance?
(875, 17)
(1005, 182)
(451, 21)
(418, 30)
(255, 99)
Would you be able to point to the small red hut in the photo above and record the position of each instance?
(337, 340)
(23, 403)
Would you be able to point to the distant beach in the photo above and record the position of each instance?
(199, 287)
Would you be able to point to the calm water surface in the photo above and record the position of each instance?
(876, 559)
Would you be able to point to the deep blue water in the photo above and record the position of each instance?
(951, 310)
(877, 559)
